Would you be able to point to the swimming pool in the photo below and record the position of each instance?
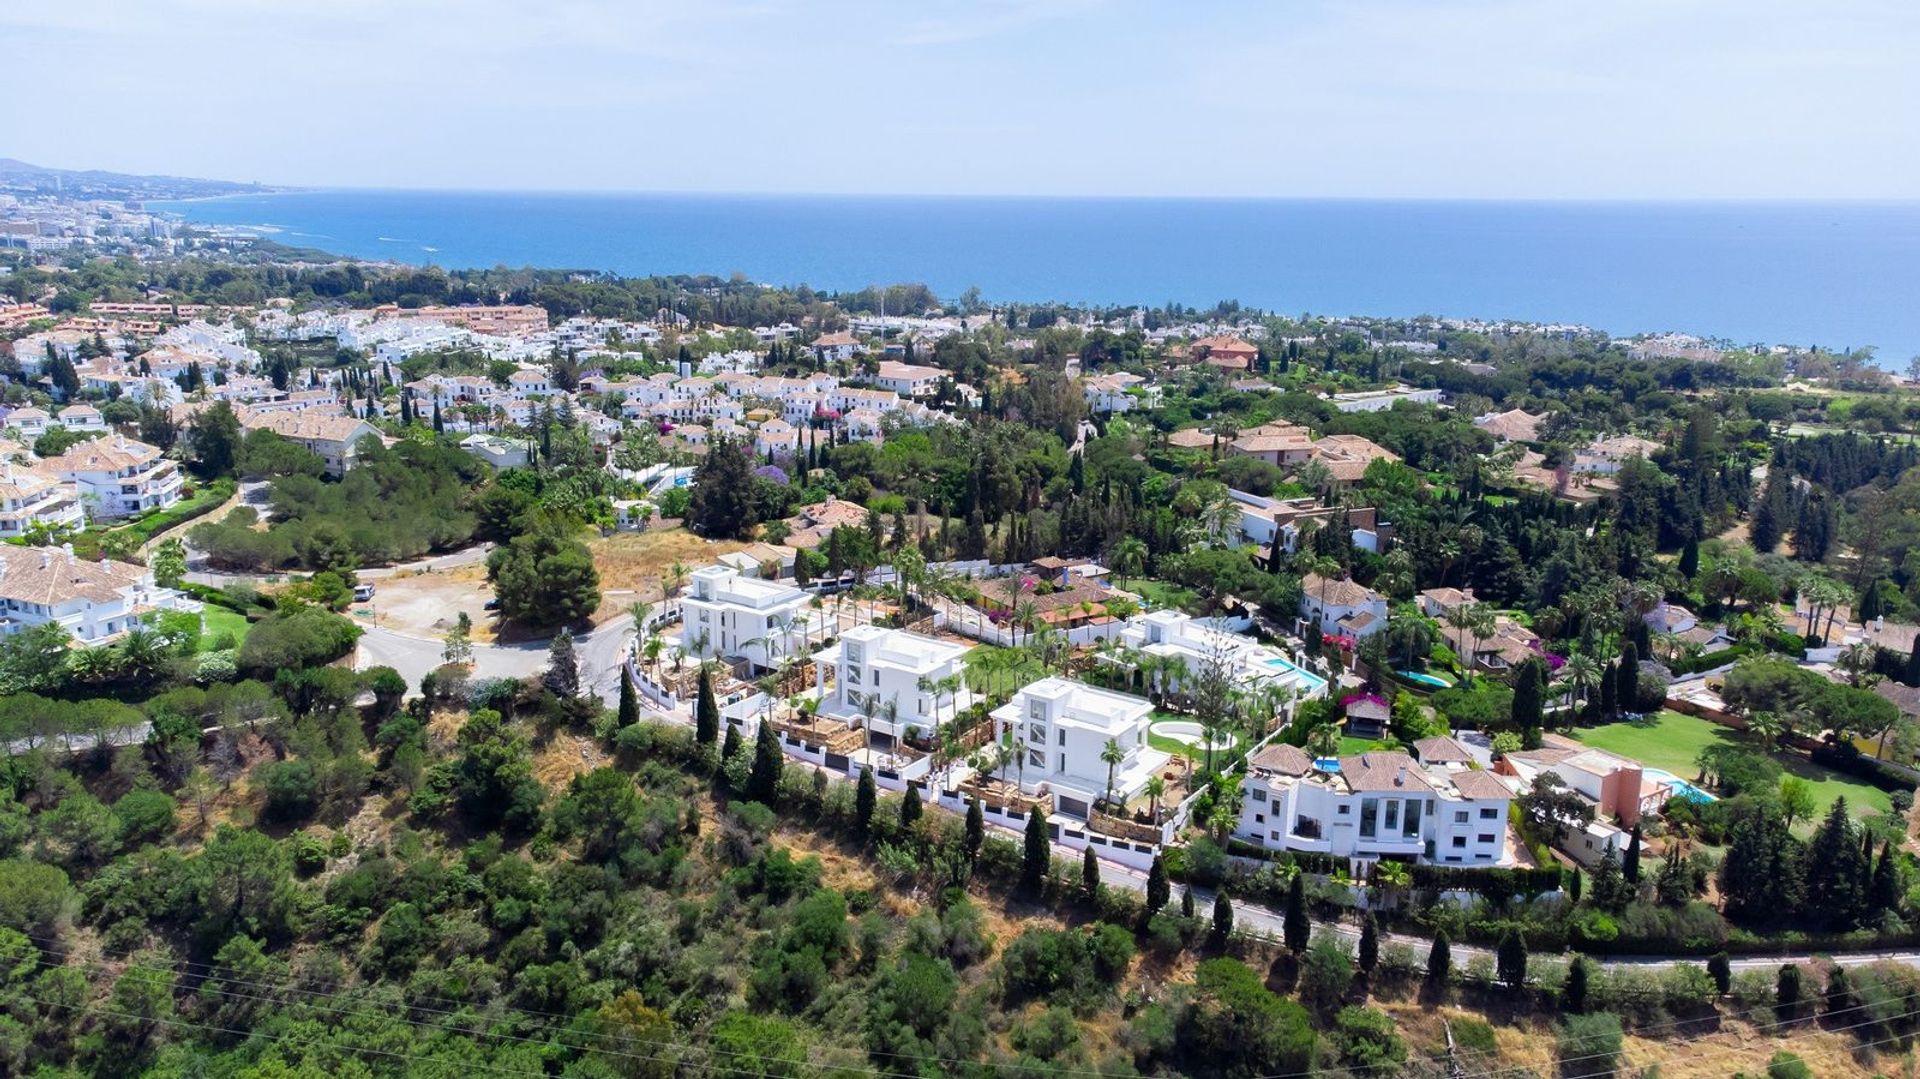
(1681, 788)
(1425, 679)
(1311, 685)
(1327, 764)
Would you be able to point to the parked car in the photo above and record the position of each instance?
(362, 593)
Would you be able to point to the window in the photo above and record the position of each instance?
(1259, 796)
(853, 676)
(1459, 842)
(1037, 758)
(1037, 710)
(1460, 817)
(1369, 816)
(1063, 736)
(1411, 825)
(1346, 811)
(1485, 837)
(1393, 815)
(1489, 814)
(1063, 762)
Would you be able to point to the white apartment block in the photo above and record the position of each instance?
(33, 496)
(895, 680)
(740, 618)
(1060, 728)
(117, 476)
(908, 379)
(1372, 806)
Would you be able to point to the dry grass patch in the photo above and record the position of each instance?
(564, 756)
(631, 564)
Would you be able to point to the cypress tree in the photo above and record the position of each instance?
(1912, 673)
(1439, 960)
(629, 713)
(1510, 958)
(1630, 863)
(1839, 991)
(1222, 918)
(910, 807)
(866, 797)
(1296, 928)
(1573, 996)
(763, 782)
(1369, 954)
(1786, 993)
(1528, 698)
(1090, 875)
(976, 833)
(730, 744)
(439, 425)
(1626, 694)
(1690, 560)
(1609, 693)
(706, 711)
(1157, 888)
(1186, 902)
(1883, 893)
(1836, 875)
(1037, 855)
(1869, 603)
(1720, 969)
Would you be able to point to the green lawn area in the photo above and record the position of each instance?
(1351, 746)
(219, 620)
(1181, 749)
(1673, 741)
(1158, 594)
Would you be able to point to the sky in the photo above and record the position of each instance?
(1619, 99)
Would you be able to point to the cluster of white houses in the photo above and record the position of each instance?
(1083, 754)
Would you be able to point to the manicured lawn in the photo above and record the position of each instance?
(1673, 742)
(1350, 746)
(219, 620)
(1158, 594)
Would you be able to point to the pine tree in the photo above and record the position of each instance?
(1157, 887)
(910, 808)
(562, 678)
(1369, 954)
(1835, 872)
(1037, 855)
(976, 833)
(1439, 959)
(1296, 929)
(1573, 995)
(1090, 875)
(1630, 863)
(706, 711)
(866, 797)
(629, 713)
(1222, 918)
(763, 782)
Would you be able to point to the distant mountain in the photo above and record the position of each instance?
(96, 183)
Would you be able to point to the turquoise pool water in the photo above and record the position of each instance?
(1425, 679)
(1310, 684)
(1327, 764)
(1681, 788)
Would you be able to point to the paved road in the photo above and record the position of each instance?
(599, 653)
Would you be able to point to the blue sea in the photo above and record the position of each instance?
(1839, 275)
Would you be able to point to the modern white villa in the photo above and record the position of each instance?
(1060, 729)
(1175, 634)
(1374, 805)
(742, 618)
(892, 681)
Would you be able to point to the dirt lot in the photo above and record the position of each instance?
(632, 564)
(427, 604)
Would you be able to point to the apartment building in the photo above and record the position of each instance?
(31, 496)
(117, 477)
(94, 602)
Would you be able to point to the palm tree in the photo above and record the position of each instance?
(639, 610)
(1323, 740)
(1768, 726)
(676, 576)
(1111, 755)
(1129, 557)
(1156, 788)
(1025, 614)
(1583, 671)
(1857, 660)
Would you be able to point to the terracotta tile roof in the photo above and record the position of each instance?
(311, 426)
(103, 454)
(1282, 759)
(1340, 592)
(1480, 785)
(1441, 750)
(1383, 771)
(51, 575)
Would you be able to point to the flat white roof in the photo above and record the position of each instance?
(897, 647)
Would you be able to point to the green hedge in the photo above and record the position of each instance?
(209, 498)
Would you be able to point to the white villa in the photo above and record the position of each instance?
(117, 476)
(1060, 728)
(93, 601)
(737, 617)
(893, 681)
(1374, 805)
(1171, 633)
(1341, 606)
